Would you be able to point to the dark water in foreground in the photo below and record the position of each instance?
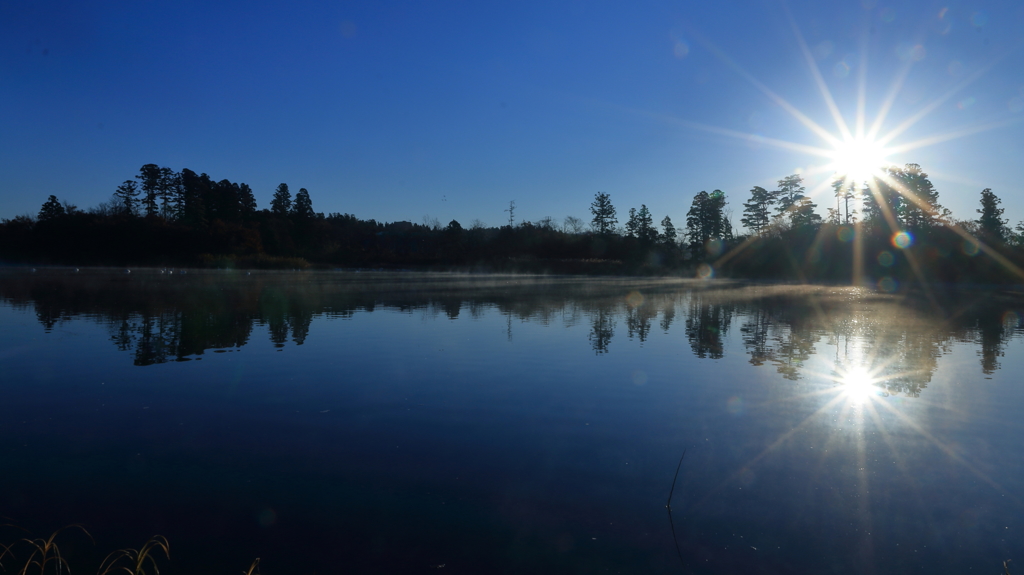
(390, 423)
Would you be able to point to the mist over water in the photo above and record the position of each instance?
(392, 422)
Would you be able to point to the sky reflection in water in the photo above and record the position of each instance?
(506, 424)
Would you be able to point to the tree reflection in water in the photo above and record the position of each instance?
(160, 318)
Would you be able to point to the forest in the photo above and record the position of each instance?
(890, 233)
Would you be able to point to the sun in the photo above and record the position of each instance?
(858, 159)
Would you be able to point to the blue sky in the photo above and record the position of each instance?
(400, 110)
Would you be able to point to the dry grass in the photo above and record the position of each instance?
(135, 561)
(44, 557)
(44, 554)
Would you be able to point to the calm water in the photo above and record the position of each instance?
(400, 423)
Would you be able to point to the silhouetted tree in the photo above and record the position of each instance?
(303, 207)
(170, 181)
(604, 214)
(511, 213)
(1018, 237)
(572, 225)
(246, 201)
(193, 190)
(844, 192)
(706, 221)
(919, 209)
(51, 210)
(882, 202)
(791, 191)
(668, 235)
(632, 223)
(645, 231)
(803, 213)
(992, 226)
(127, 197)
(149, 180)
(757, 211)
(281, 205)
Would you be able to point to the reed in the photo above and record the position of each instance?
(44, 554)
(44, 557)
(135, 561)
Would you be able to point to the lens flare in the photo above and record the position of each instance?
(902, 240)
(887, 284)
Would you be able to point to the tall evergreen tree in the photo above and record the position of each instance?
(990, 222)
(149, 181)
(919, 207)
(757, 211)
(870, 206)
(604, 214)
(706, 221)
(51, 210)
(803, 214)
(193, 191)
(885, 203)
(127, 197)
(246, 201)
(168, 191)
(791, 190)
(645, 230)
(668, 234)
(303, 207)
(844, 192)
(281, 205)
(632, 224)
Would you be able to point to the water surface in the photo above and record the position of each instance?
(397, 423)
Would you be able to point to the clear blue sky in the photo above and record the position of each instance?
(397, 110)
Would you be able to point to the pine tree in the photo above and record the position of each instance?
(632, 224)
(281, 205)
(646, 231)
(668, 235)
(844, 192)
(149, 181)
(706, 221)
(919, 208)
(803, 213)
(168, 191)
(872, 208)
(246, 200)
(757, 211)
(193, 193)
(127, 197)
(791, 191)
(991, 223)
(604, 214)
(303, 207)
(51, 210)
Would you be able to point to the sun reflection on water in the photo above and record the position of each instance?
(858, 385)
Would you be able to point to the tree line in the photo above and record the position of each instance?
(163, 217)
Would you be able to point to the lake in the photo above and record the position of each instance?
(345, 422)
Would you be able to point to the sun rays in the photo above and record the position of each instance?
(860, 152)
(857, 151)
